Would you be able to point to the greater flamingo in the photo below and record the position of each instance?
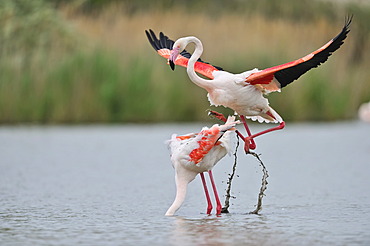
(244, 92)
(198, 153)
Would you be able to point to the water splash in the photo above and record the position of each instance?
(264, 183)
(261, 194)
(225, 208)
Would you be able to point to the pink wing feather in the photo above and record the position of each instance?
(164, 45)
(275, 78)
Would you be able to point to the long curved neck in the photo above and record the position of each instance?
(182, 182)
(204, 83)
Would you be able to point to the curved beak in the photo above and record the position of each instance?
(172, 65)
(174, 54)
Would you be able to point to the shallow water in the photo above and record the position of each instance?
(111, 185)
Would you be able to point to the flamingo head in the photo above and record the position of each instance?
(178, 46)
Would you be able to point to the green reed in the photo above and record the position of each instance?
(56, 71)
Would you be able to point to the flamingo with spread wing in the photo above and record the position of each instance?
(243, 92)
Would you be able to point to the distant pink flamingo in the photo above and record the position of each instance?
(242, 92)
(364, 112)
(198, 153)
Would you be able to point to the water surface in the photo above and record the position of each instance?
(111, 185)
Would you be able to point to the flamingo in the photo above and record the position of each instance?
(243, 92)
(198, 153)
(364, 112)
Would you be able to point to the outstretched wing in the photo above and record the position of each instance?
(275, 78)
(164, 45)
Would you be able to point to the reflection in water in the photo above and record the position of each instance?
(202, 231)
(209, 230)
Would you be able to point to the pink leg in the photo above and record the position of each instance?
(280, 126)
(219, 206)
(250, 144)
(209, 207)
(248, 141)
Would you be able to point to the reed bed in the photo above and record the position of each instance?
(98, 67)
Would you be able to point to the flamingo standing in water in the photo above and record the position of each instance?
(243, 92)
(198, 153)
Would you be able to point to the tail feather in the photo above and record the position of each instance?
(271, 116)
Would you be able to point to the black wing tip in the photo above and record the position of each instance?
(339, 39)
(348, 21)
(345, 30)
(288, 75)
(152, 38)
(163, 42)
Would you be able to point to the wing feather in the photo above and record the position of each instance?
(164, 45)
(280, 76)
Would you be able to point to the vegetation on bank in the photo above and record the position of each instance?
(89, 61)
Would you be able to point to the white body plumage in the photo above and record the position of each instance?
(196, 153)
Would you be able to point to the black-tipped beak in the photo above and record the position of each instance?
(173, 57)
(172, 65)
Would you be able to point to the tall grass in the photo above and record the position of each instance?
(69, 66)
